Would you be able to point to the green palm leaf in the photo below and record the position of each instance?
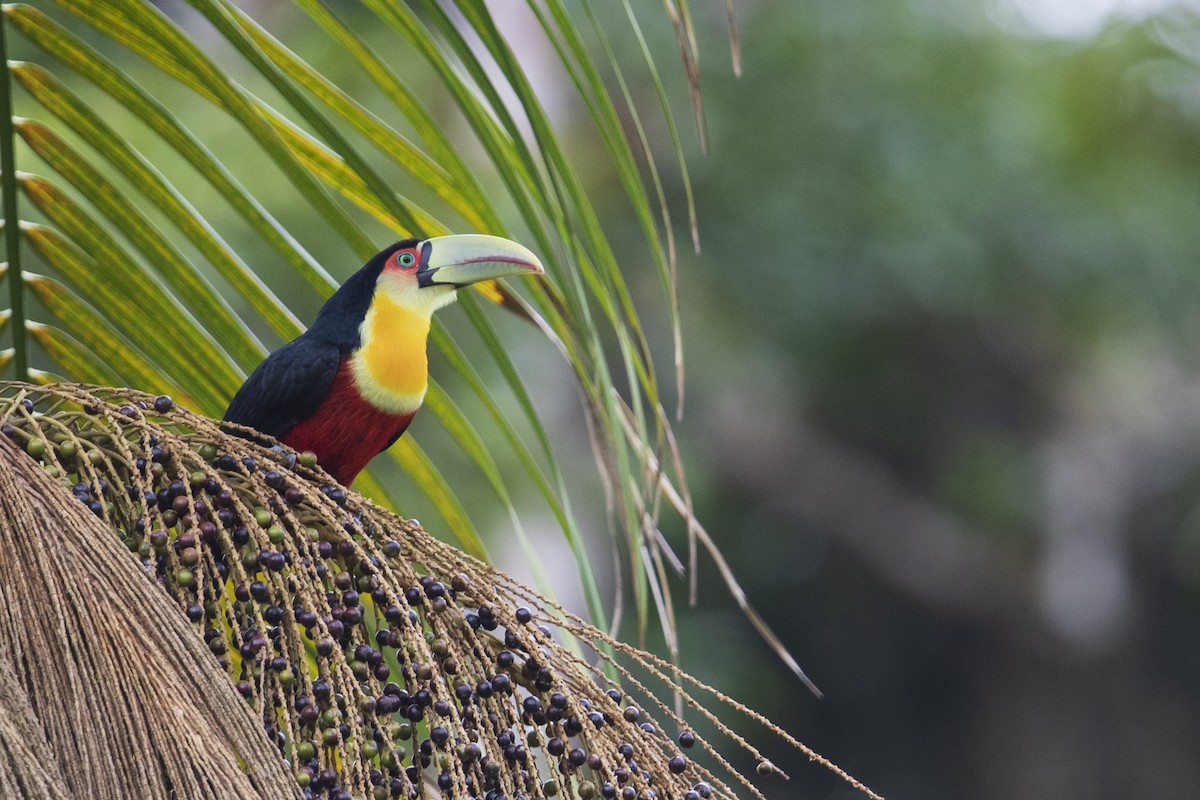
(142, 289)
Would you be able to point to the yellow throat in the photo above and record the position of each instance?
(391, 369)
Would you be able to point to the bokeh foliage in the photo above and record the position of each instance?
(945, 423)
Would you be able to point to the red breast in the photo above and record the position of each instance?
(346, 431)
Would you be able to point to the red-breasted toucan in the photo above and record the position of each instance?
(348, 387)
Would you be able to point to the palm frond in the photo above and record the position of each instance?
(136, 268)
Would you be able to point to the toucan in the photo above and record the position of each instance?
(349, 386)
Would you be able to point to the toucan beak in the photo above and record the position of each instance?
(468, 258)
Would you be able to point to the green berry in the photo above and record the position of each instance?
(35, 448)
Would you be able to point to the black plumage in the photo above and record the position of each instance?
(292, 382)
(287, 387)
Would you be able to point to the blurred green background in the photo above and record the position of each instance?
(943, 410)
(943, 373)
(943, 390)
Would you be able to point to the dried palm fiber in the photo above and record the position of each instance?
(26, 762)
(107, 709)
(381, 661)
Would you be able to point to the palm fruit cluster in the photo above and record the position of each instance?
(382, 662)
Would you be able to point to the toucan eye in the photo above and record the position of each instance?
(406, 259)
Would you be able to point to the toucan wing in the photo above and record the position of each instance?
(287, 387)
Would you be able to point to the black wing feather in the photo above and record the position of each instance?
(287, 386)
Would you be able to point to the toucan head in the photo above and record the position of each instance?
(426, 274)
